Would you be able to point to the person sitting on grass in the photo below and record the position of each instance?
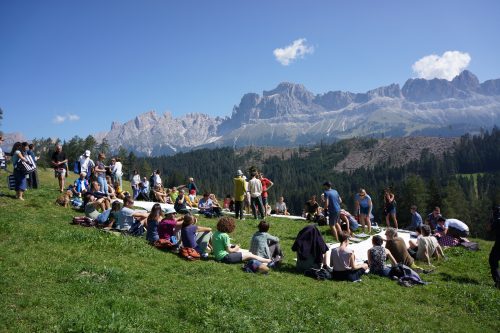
(96, 191)
(160, 194)
(216, 207)
(120, 194)
(169, 227)
(128, 216)
(311, 208)
(233, 254)
(152, 235)
(265, 245)
(377, 257)
(397, 246)
(195, 239)
(91, 205)
(310, 247)
(143, 194)
(181, 205)
(108, 218)
(280, 207)
(111, 189)
(205, 205)
(343, 262)
(81, 185)
(428, 246)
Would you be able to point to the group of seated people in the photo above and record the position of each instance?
(164, 230)
(312, 253)
(82, 186)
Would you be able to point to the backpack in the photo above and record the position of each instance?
(137, 229)
(84, 221)
(318, 274)
(189, 253)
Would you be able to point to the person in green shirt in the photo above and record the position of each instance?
(225, 252)
(239, 194)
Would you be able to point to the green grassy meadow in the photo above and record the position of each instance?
(57, 277)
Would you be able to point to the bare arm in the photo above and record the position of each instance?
(391, 257)
(203, 229)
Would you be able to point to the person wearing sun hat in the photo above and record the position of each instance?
(169, 226)
(239, 194)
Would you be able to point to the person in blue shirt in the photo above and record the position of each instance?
(416, 219)
(363, 207)
(332, 209)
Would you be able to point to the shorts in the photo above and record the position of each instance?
(333, 218)
(364, 210)
(233, 258)
(59, 172)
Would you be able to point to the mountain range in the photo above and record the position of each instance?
(290, 115)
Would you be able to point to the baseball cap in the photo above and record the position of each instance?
(87, 153)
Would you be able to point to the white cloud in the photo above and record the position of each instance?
(298, 49)
(73, 117)
(58, 119)
(447, 66)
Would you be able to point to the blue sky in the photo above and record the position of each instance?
(93, 62)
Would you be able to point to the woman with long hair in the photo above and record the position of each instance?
(154, 218)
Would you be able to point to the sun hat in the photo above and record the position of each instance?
(239, 173)
(170, 210)
(87, 153)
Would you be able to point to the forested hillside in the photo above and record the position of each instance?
(464, 181)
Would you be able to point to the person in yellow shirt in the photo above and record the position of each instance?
(239, 194)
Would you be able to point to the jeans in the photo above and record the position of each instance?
(118, 179)
(257, 201)
(103, 185)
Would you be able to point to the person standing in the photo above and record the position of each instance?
(332, 209)
(266, 185)
(416, 219)
(363, 206)
(86, 164)
(100, 170)
(239, 194)
(191, 186)
(390, 208)
(116, 170)
(33, 177)
(19, 153)
(134, 183)
(60, 165)
(495, 250)
(3, 159)
(255, 189)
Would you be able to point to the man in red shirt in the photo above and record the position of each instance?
(266, 185)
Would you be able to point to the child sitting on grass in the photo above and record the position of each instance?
(232, 254)
(194, 238)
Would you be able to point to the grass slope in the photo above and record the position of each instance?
(57, 277)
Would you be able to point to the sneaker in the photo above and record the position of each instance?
(272, 264)
(204, 256)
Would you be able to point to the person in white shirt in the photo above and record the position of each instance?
(116, 170)
(157, 178)
(86, 164)
(255, 189)
(134, 182)
(280, 207)
(453, 227)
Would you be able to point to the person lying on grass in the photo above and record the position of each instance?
(108, 217)
(428, 246)
(265, 245)
(343, 262)
(377, 257)
(232, 254)
(168, 228)
(128, 216)
(194, 237)
(91, 205)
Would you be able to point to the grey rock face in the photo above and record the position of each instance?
(290, 115)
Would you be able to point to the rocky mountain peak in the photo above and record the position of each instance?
(466, 81)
